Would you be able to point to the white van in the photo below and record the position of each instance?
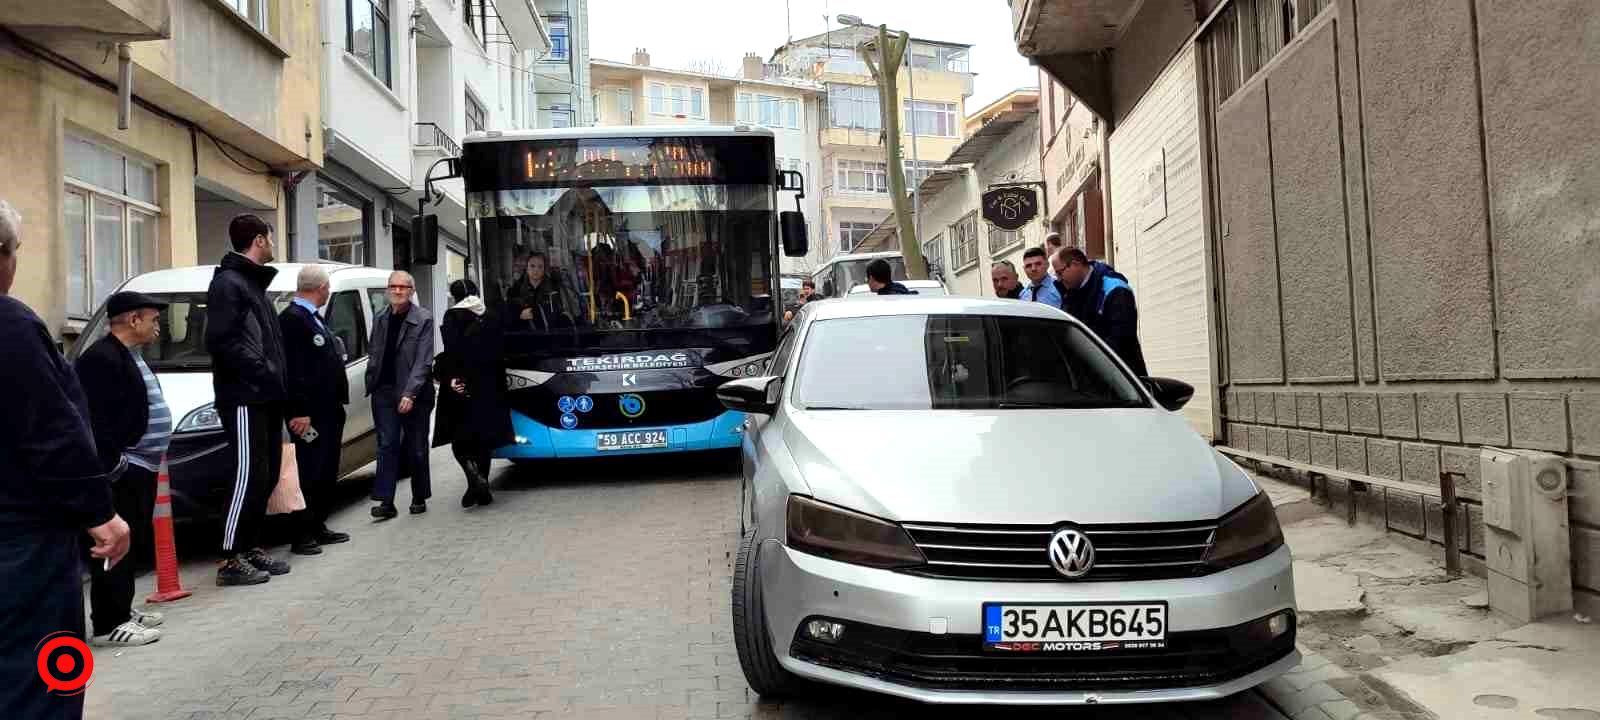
(198, 463)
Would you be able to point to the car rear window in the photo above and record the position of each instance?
(941, 362)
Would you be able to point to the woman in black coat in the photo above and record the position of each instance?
(473, 417)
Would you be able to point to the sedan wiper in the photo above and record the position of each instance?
(1029, 405)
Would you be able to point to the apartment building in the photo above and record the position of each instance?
(402, 82)
(223, 112)
(562, 93)
(639, 93)
(934, 83)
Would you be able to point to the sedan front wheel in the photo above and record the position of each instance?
(761, 669)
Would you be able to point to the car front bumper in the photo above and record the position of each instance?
(921, 638)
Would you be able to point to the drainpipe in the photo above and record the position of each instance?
(124, 85)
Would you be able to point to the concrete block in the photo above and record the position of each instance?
(1324, 451)
(1266, 411)
(1383, 459)
(1244, 409)
(1585, 410)
(1437, 417)
(1405, 512)
(1326, 591)
(1483, 419)
(1335, 412)
(1278, 442)
(1419, 463)
(1399, 412)
(1258, 439)
(1539, 421)
(1434, 516)
(1230, 404)
(1250, 249)
(1586, 557)
(1238, 436)
(1287, 414)
(1309, 409)
(1299, 446)
(1475, 530)
(1352, 453)
(1364, 413)
(1466, 461)
(1583, 492)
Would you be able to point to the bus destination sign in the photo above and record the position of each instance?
(625, 161)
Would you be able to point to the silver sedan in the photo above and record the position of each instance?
(973, 501)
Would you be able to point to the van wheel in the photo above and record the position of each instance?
(750, 635)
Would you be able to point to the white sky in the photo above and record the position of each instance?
(678, 34)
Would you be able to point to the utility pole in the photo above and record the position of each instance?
(886, 72)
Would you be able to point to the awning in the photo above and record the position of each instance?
(981, 143)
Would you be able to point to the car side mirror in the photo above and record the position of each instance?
(1172, 394)
(793, 225)
(757, 395)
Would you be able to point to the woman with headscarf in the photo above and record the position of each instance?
(473, 417)
(539, 300)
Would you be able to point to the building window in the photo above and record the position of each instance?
(559, 39)
(625, 104)
(791, 113)
(254, 11)
(947, 59)
(658, 102)
(680, 99)
(697, 102)
(845, 61)
(367, 36)
(862, 176)
(1247, 34)
(854, 106)
(936, 119)
(1002, 241)
(341, 225)
(918, 170)
(477, 19)
(933, 251)
(851, 234)
(111, 220)
(477, 116)
(964, 241)
(560, 115)
(768, 110)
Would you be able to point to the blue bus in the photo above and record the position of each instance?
(634, 270)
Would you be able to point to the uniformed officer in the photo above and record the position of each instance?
(317, 393)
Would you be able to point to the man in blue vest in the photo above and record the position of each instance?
(1101, 298)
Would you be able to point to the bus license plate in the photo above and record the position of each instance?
(630, 440)
(1074, 627)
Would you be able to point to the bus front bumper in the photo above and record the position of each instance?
(535, 441)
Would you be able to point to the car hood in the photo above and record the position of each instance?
(1014, 466)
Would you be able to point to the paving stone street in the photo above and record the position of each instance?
(596, 589)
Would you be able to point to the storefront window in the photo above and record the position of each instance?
(341, 225)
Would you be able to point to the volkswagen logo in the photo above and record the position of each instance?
(1071, 553)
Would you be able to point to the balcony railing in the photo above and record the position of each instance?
(430, 135)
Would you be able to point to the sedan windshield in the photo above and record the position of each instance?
(182, 344)
(944, 362)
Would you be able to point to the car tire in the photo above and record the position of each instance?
(761, 669)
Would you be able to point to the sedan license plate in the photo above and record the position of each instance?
(630, 440)
(1078, 627)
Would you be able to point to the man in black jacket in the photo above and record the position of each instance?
(318, 390)
(880, 281)
(51, 491)
(246, 346)
(399, 379)
(1101, 298)
(132, 428)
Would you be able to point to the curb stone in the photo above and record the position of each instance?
(1316, 689)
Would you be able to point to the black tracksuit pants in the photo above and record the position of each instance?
(255, 436)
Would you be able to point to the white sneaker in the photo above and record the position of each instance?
(128, 634)
(147, 619)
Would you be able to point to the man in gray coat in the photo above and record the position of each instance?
(399, 379)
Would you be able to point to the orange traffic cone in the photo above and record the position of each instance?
(168, 587)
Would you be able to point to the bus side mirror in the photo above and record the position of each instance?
(793, 225)
(425, 239)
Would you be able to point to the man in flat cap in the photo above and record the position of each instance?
(132, 427)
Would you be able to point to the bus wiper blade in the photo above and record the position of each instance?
(832, 407)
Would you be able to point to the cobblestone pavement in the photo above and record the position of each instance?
(605, 597)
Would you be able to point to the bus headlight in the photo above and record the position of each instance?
(201, 419)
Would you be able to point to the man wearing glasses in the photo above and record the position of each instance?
(399, 381)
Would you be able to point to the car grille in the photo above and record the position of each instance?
(1019, 552)
(959, 662)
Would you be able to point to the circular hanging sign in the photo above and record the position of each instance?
(1010, 208)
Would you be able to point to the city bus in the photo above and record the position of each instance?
(845, 271)
(633, 270)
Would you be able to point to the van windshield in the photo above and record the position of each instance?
(182, 345)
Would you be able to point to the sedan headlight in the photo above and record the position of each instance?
(848, 536)
(1247, 534)
(201, 419)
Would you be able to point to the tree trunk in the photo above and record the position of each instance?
(887, 72)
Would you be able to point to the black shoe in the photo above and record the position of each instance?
(266, 563)
(238, 572)
(419, 507)
(329, 537)
(469, 498)
(384, 511)
(484, 496)
(307, 546)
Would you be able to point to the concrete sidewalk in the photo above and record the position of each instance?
(1390, 632)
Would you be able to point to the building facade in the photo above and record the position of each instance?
(934, 83)
(639, 93)
(562, 93)
(1070, 141)
(402, 83)
(224, 111)
(1398, 204)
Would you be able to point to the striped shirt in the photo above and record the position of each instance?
(148, 453)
